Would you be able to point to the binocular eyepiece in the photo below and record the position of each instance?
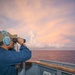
(16, 40)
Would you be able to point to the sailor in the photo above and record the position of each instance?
(8, 58)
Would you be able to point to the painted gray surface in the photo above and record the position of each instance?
(34, 70)
(22, 72)
(37, 69)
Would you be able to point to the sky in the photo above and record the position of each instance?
(43, 23)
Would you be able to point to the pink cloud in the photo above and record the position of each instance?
(31, 13)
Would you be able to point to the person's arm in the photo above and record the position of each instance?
(14, 57)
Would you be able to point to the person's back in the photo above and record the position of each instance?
(8, 59)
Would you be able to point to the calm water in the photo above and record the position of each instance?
(54, 55)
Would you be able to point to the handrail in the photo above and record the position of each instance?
(71, 70)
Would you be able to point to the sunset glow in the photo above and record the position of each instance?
(44, 23)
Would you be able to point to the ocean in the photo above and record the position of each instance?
(54, 55)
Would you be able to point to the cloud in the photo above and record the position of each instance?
(56, 45)
(40, 21)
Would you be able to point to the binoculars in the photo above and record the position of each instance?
(16, 40)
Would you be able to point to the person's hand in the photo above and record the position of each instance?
(20, 41)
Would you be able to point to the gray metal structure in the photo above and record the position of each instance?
(45, 67)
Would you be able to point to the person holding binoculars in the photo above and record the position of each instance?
(8, 58)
